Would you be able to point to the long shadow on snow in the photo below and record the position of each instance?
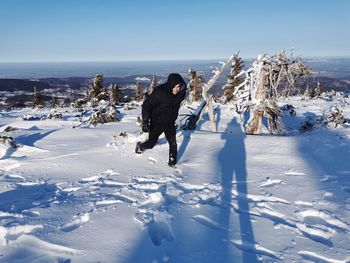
(30, 139)
(204, 245)
(208, 246)
(327, 154)
(326, 151)
(187, 136)
(232, 159)
(185, 245)
(26, 139)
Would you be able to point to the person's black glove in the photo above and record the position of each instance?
(146, 126)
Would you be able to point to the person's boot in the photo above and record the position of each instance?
(172, 160)
(138, 148)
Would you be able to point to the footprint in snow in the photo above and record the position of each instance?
(292, 172)
(152, 160)
(160, 228)
(76, 222)
(270, 182)
(178, 171)
(329, 178)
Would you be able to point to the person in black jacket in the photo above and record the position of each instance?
(159, 113)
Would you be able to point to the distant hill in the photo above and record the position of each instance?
(328, 83)
(59, 86)
(22, 85)
(23, 98)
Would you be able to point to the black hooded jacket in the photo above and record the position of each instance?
(162, 106)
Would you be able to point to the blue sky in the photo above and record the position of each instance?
(132, 30)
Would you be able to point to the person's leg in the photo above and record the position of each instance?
(152, 139)
(170, 134)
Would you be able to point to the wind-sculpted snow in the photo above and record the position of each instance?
(33, 250)
(321, 217)
(314, 257)
(254, 248)
(206, 221)
(319, 234)
(76, 222)
(83, 195)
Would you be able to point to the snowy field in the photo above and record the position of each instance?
(83, 195)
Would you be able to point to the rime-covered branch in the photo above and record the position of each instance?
(269, 78)
(206, 98)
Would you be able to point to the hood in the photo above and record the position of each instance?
(175, 79)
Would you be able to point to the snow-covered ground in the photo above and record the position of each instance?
(83, 195)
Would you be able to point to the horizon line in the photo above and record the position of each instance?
(157, 60)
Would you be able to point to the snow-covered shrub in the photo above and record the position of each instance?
(8, 141)
(53, 116)
(123, 134)
(29, 117)
(307, 125)
(130, 106)
(98, 93)
(335, 117)
(288, 108)
(103, 115)
(10, 129)
(80, 102)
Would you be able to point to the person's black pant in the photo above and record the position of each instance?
(170, 134)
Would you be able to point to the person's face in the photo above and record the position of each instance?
(176, 89)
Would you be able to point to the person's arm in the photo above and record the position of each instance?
(147, 106)
(146, 109)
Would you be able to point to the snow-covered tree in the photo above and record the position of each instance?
(72, 97)
(97, 92)
(234, 79)
(96, 86)
(267, 79)
(154, 83)
(101, 101)
(54, 102)
(138, 92)
(37, 98)
(309, 91)
(115, 94)
(195, 85)
(318, 90)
